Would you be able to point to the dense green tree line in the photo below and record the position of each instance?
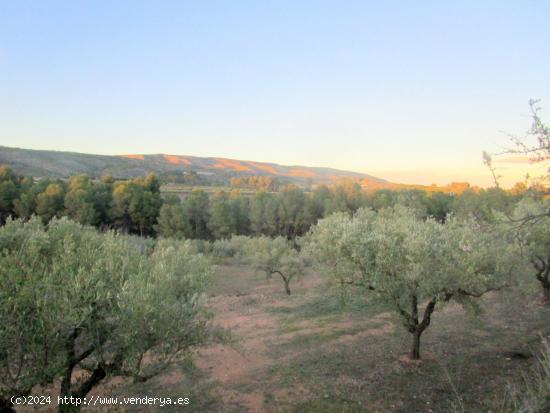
(129, 206)
(292, 211)
(137, 207)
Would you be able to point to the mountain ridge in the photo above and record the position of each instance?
(61, 164)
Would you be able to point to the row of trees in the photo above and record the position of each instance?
(130, 206)
(262, 183)
(136, 206)
(292, 212)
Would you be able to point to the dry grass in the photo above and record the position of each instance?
(305, 353)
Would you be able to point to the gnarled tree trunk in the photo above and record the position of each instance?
(286, 280)
(416, 327)
(67, 389)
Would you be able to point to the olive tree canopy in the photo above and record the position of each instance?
(275, 256)
(410, 262)
(75, 299)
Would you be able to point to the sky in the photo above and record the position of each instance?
(407, 91)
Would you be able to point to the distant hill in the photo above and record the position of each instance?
(56, 164)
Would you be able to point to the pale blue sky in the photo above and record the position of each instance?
(410, 91)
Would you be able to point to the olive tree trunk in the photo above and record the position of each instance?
(415, 349)
(73, 358)
(416, 327)
(286, 280)
(287, 286)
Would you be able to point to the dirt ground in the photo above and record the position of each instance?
(309, 353)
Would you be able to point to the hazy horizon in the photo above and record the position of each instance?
(411, 93)
(519, 165)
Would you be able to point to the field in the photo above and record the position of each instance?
(307, 353)
(183, 190)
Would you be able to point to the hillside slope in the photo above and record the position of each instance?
(58, 164)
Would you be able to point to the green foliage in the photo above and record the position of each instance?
(407, 260)
(50, 203)
(222, 222)
(345, 197)
(234, 247)
(240, 209)
(10, 186)
(25, 205)
(264, 212)
(196, 207)
(136, 207)
(275, 256)
(291, 212)
(483, 205)
(102, 197)
(143, 210)
(172, 222)
(439, 206)
(79, 201)
(317, 204)
(74, 298)
(383, 198)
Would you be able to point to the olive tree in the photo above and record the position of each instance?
(73, 299)
(234, 248)
(413, 264)
(533, 230)
(275, 256)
